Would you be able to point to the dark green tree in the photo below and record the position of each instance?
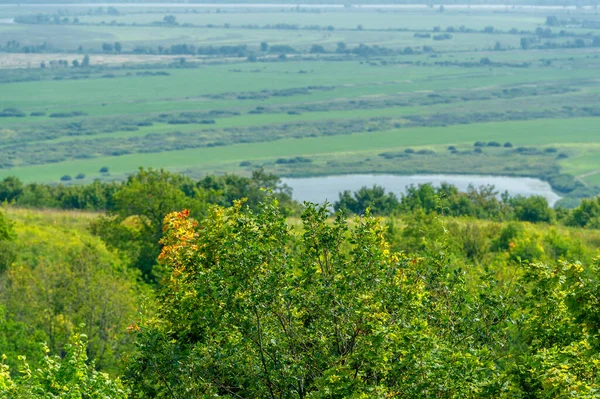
(587, 214)
(10, 189)
(376, 199)
(533, 209)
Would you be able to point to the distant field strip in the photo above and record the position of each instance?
(539, 132)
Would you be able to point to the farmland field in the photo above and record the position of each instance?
(299, 92)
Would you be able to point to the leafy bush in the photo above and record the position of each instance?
(533, 209)
(587, 214)
(285, 316)
(254, 307)
(69, 376)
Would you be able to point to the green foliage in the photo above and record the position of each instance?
(375, 199)
(7, 236)
(533, 209)
(134, 223)
(6, 228)
(447, 200)
(146, 197)
(10, 189)
(587, 214)
(62, 277)
(253, 306)
(253, 309)
(68, 377)
(507, 236)
(17, 339)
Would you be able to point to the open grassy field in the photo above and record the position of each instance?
(339, 111)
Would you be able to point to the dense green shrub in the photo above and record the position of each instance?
(67, 376)
(375, 199)
(587, 214)
(533, 209)
(253, 308)
(7, 246)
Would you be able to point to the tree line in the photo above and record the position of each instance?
(481, 203)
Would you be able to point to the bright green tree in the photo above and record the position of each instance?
(253, 309)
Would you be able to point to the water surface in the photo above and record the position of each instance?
(327, 188)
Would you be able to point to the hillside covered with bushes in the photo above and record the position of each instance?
(180, 288)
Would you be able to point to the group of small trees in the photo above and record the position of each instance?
(85, 62)
(482, 203)
(109, 47)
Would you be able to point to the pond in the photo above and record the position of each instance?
(327, 188)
